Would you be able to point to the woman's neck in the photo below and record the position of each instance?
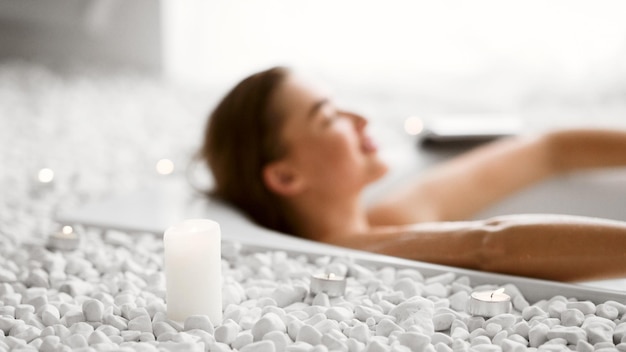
(322, 216)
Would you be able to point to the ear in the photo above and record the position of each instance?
(282, 179)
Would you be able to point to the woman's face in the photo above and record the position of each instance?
(327, 146)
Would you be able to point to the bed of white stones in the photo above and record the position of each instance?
(110, 295)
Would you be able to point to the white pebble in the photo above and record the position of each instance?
(260, 346)
(385, 327)
(280, 340)
(76, 288)
(492, 329)
(480, 340)
(201, 336)
(7, 275)
(161, 327)
(29, 334)
(362, 313)
(76, 341)
(12, 299)
(135, 312)
(326, 326)
(604, 347)
(22, 310)
(339, 314)
(321, 299)
(486, 348)
(414, 340)
(607, 311)
(521, 328)
(8, 310)
(166, 336)
(244, 338)
(50, 315)
(471, 324)
(518, 338)
(436, 289)
(520, 303)
(227, 332)
(98, 337)
(443, 320)
(269, 322)
(411, 307)
(285, 295)
(309, 335)
(533, 311)
(50, 344)
(37, 278)
(407, 286)
(621, 308)
(129, 335)
(93, 310)
(38, 301)
(81, 328)
(584, 346)
(201, 322)
(299, 347)
(459, 334)
(586, 307)
(556, 307)
(458, 300)
(598, 329)
(146, 337)
(140, 323)
(377, 346)
(619, 334)
(293, 328)
(512, 346)
(572, 317)
(360, 332)
(333, 343)
(73, 317)
(572, 334)
(116, 321)
(505, 321)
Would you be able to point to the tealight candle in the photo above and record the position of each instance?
(65, 239)
(193, 273)
(489, 303)
(332, 285)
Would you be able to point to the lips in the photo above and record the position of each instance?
(368, 146)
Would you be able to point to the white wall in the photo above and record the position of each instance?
(62, 32)
(555, 45)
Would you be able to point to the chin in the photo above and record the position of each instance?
(379, 170)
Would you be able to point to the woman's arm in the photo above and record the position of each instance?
(461, 187)
(555, 247)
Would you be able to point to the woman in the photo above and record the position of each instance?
(284, 154)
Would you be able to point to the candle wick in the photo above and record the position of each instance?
(498, 291)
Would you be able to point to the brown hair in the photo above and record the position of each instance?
(242, 136)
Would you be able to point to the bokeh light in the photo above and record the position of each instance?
(164, 167)
(413, 125)
(45, 175)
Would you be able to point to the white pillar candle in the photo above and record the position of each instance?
(489, 303)
(193, 270)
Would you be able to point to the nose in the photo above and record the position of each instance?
(359, 121)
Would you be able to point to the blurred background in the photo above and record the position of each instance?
(113, 95)
(498, 54)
